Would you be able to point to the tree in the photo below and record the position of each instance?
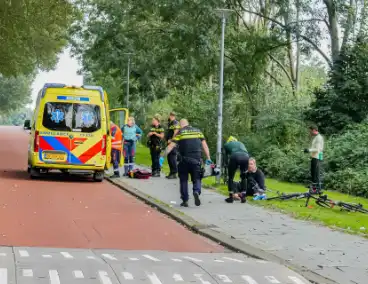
(32, 34)
(344, 100)
(15, 92)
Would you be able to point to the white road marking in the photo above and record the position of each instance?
(151, 257)
(2, 254)
(127, 276)
(46, 256)
(104, 277)
(23, 253)
(27, 272)
(272, 280)
(66, 254)
(78, 274)
(54, 277)
(109, 256)
(178, 278)
(219, 260)
(199, 277)
(91, 257)
(3, 276)
(261, 261)
(193, 259)
(249, 279)
(232, 259)
(296, 280)
(153, 278)
(133, 258)
(224, 278)
(176, 260)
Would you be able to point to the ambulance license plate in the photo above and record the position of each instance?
(54, 156)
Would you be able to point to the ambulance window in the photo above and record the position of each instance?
(87, 118)
(58, 116)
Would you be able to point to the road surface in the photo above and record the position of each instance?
(57, 231)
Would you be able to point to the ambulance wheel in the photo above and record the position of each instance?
(98, 176)
(34, 173)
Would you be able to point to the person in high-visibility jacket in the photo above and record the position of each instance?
(116, 147)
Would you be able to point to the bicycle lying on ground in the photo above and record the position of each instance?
(321, 200)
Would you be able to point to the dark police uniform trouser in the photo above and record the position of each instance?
(116, 156)
(155, 158)
(172, 161)
(192, 167)
(237, 160)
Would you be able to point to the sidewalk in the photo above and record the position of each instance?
(340, 257)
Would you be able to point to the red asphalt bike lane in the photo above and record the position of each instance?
(79, 213)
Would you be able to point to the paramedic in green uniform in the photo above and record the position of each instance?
(237, 156)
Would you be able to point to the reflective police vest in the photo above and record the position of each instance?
(117, 137)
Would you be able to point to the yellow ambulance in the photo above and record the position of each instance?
(70, 130)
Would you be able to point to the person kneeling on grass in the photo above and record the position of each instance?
(255, 181)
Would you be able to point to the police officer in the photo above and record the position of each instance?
(155, 137)
(190, 141)
(172, 130)
(238, 157)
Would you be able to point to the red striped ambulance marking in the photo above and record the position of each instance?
(91, 152)
(65, 141)
(44, 146)
(75, 142)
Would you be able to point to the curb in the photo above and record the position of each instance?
(218, 237)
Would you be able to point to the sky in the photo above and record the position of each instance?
(65, 72)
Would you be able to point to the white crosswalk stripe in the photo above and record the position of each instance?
(232, 259)
(27, 272)
(127, 276)
(104, 277)
(296, 280)
(199, 277)
(2, 254)
(66, 255)
(78, 274)
(193, 259)
(23, 253)
(224, 278)
(151, 257)
(109, 256)
(3, 276)
(54, 277)
(178, 278)
(153, 278)
(249, 279)
(272, 280)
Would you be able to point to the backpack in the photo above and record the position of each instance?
(139, 174)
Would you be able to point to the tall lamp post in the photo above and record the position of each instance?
(223, 14)
(129, 54)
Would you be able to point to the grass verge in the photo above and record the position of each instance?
(351, 222)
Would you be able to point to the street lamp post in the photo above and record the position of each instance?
(223, 14)
(128, 78)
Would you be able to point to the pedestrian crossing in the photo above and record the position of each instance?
(23, 254)
(104, 277)
(27, 265)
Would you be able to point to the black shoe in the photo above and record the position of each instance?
(184, 204)
(115, 175)
(230, 199)
(171, 176)
(156, 174)
(197, 201)
(243, 198)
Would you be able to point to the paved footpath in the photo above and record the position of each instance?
(332, 254)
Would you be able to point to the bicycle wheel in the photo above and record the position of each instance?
(353, 207)
(326, 203)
